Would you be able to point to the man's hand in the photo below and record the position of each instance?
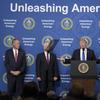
(15, 73)
(12, 72)
(61, 59)
(39, 78)
(55, 78)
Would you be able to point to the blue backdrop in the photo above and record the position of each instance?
(65, 21)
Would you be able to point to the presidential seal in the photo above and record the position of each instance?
(83, 68)
(30, 59)
(8, 40)
(29, 23)
(66, 23)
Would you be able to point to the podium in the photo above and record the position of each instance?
(83, 69)
(84, 73)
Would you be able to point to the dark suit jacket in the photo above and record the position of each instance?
(42, 66)
(10, 63)
(76, 55)
(90, 55)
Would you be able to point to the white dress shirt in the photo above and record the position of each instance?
(85, 52)
(14, 51)
(45, 52)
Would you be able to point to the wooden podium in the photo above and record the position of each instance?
(84, 73)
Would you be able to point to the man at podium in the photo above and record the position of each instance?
(83, 54)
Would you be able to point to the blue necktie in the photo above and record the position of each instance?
(83, 55)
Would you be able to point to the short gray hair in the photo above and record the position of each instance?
(83, 39)
(48, 40)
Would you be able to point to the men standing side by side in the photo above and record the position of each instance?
(15, 63)
(46, 68)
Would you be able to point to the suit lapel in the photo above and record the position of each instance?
(19, 54)
(79, 56)
(12, 55)
(88, 54)
(50, 58)
(44, 57)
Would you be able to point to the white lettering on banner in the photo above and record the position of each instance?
(15, 7)
(36, 8)
(91, 9)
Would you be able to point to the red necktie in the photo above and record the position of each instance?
(48, 59)
(16, 55)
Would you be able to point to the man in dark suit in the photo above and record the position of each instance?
(46, 68)
(15, 63)
(83, 54)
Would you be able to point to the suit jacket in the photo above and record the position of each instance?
(10, 63)
(42, 66)
(90, 54)
(76, 55)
